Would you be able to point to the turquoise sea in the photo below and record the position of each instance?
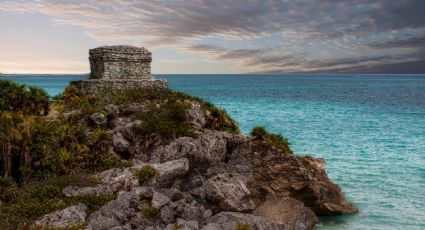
(369, 128)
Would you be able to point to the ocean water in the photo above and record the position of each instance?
(369, 128)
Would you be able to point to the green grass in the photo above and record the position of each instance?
(240, 226)
(168, 121)
(273, 139)
(23, 203)
(148, 211)
(145, 173)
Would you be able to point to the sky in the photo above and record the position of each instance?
(217, 36)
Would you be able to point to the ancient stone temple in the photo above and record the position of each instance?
(118, 68)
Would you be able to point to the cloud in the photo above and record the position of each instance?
(255, 35)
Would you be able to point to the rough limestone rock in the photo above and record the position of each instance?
(183, 225)
(115, 213)
(269, 172)
(120, 143)
(195, 115)
(167, 171)
(98, 119)
(65, 218)
(159, 200)
(288, 211)
(229, 221)
(210, 146)
(101, 189)
(230, 192)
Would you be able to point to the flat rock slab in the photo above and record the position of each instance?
(65, 218)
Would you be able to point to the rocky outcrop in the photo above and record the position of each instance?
(289, 211)
(65, 218)
(216, 180)
(230, 221)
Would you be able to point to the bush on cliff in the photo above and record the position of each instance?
(22, 204)
(22, 98)
(273, 139)
(168, 120)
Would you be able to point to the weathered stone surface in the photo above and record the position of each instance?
(119, 62)
(288, 211)
(109, 88)
(101, 189)
(159, 200)
(195, 115)
(120, 143)
(167, 171)
(115, 213)
(210, 146)
(98, 119)
(114, 69)
(230, 192)
(183, 225)
(229, 221)
(65, 218)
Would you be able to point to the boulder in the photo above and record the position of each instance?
(167, 171)
(231, 220)
(120, 143)
(195, 115)
(159, 200)
(98, 119)
(183, 225)
(288, 211)
(115, 213)
(65, 218)
(230, 192)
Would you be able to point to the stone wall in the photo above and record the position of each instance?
(111, 87)
(120, 62)
(115, 69)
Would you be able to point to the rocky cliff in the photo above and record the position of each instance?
(200, 175)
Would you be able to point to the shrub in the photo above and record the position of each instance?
(240, 226)
(22, 98)
(273, 139)
(33, 199)
(148, 211)
(6, 182)
(169, 121)
(145, 173)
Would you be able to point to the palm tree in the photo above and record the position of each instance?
(39, 99)
(9, 134)
(26, 129)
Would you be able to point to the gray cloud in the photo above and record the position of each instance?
(282, 36)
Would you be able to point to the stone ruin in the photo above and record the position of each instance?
(114, 69)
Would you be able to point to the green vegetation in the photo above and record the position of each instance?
(148, 211)
(22, 98)
(145, 173)
(177, 226)
(240, 226)
(273, 139)
(175, 102)
(25, 202)
(167, 120)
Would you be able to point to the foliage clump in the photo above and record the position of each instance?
(28, 100)
(218, 119)
(274, 139)
(145, 173)
(240, 226)
(148, 211)
(167, 120)
(28, 201)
